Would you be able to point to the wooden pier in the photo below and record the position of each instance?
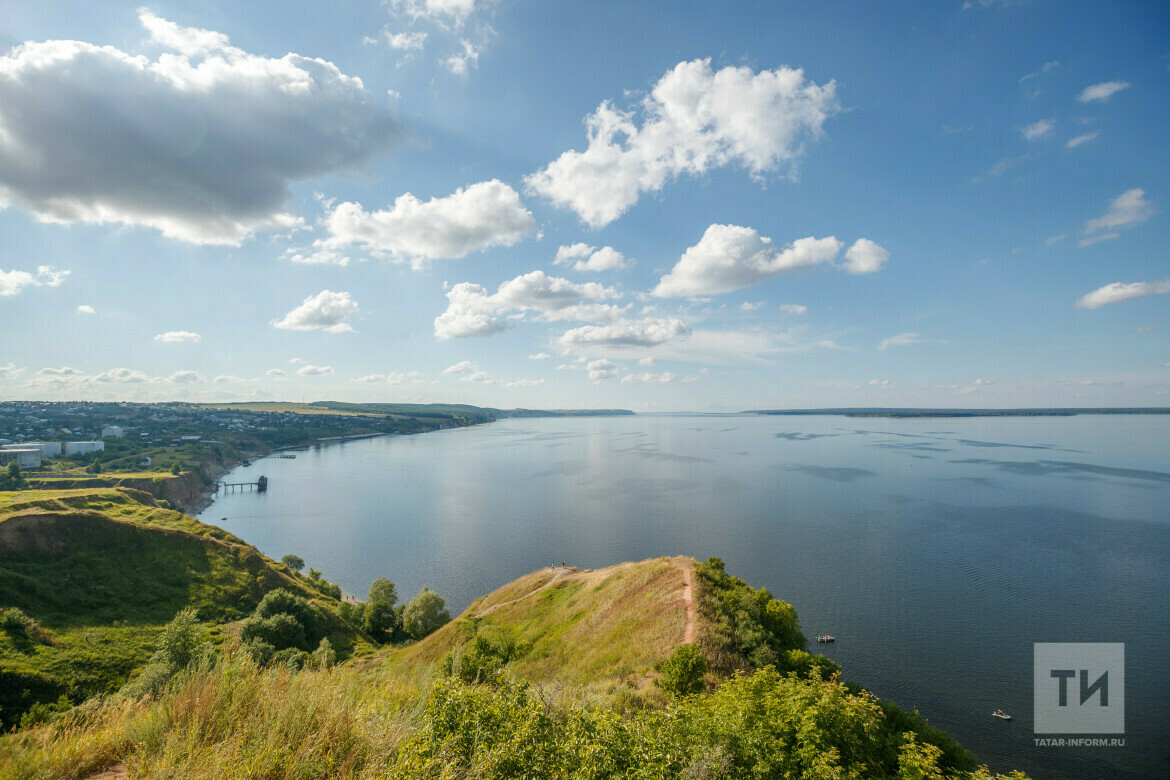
(260, 485)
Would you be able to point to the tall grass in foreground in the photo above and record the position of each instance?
(231, 721)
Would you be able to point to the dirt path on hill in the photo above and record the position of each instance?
(116, 772)
(561, 573)
(689, 600)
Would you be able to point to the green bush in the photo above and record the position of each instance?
(281, 630)
(683, 672)
(16, 623)
(281, 601)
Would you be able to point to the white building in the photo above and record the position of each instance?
(49, 449)
(112, 432)
(82, 447)
(27, 457)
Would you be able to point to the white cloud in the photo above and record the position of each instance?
(601, 369)
(11, 370)
(465, 60)
(752, 305)
(649, 360)
(1073, 143)
(327, 311)
(1126, 210)
(865, 257)
(276, 372)
(1102, 91)
(440, 11)
(1097, 239)
(311, 370)
(178, 337)
(1038, 129)
(397, 378)
(85, 309)
(1121, 291)
(297, 361)
(665, 378)
(1045, 68)
(525, 383)
(627, 333)
(695, 119)
(472, 311)
(904, 340)
(462, 367)
(794, 309)
(471, 219)
(588, 258)
(883, 384)
(478, 376)
(224, 379)
(12, 282)
(729, 257)
(540, 356)
(370, 379)
(122, 375)
(201, 144)
(185, 377)
(405, 41)
(62, 371)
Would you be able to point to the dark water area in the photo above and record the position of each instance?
(937, 551)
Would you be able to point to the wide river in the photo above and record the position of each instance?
(936, 550)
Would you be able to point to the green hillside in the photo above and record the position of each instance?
(654, 669)
(101, 572)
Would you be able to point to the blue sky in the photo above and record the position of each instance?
(682, 207)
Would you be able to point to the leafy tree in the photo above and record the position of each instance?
(381, 619)
(282, 620)
(682, 673)
(425, 614)
(13, 479)
(175, 469)
(178, 648)
(293, 562)
(96, 466)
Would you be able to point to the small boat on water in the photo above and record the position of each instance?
(1001, 715)
(825, 639)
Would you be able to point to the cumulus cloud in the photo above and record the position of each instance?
(865, 257)
(1073, 143)
(471, 219)
(453, 12)
(587, 258)
(729, 257)
(1126, 210)
(85, 309)
(201, 144)
(694, 119)
(472, 311)
(11, 370)
(904, 340)
(1121, 291)
(540, 356)
(883, 384)
(404, 41)
(185, 377)
(225, 379)
(525, 383)
(752, 305)
(311, 370)
(460, 62)
(794, 309)
(12, 282)
(276, 372)
(370, 379)
(121, 375)
(1038, 129)
(1102, 91)
(649, 360)
(62, 371)
(601, 369)
(646, 332)
(178, 337)
(327, 311)
(462, 367)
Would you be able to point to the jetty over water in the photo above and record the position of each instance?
(260, 485)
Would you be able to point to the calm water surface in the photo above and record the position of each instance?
(938, 551)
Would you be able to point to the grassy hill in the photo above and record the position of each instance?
(561, 673)
(102, 571)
